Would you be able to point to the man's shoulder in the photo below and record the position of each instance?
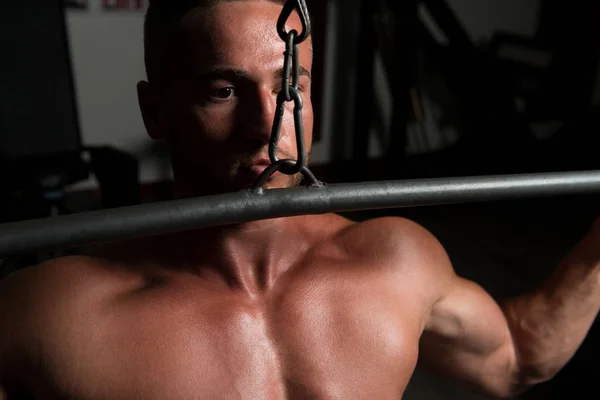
(28, 300)
(64, 273)
(396, 244)
(389, 236)
(55, 288)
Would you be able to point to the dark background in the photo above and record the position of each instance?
(514, 104)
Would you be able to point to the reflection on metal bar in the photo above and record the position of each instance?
(184, 214)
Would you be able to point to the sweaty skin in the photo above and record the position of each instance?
(311, 307)
(331, 314)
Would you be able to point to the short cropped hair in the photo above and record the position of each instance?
(162, 19)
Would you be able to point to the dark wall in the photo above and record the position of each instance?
(37, 105)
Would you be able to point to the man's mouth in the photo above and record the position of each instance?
(257, 167)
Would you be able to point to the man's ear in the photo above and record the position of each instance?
(151, 112)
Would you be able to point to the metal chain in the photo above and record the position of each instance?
(289, 92)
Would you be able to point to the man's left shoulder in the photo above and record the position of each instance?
(395, 243)
(388, 235)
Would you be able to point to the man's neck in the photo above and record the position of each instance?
(251, 256)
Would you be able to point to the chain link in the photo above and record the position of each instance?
(288, 9)
(289, 92)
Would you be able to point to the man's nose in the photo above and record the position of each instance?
(261, 113)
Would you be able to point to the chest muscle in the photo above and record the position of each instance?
(309, 341)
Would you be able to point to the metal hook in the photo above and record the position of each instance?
(282, 164)
(288, 8)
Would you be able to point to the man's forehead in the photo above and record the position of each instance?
(233, 33)
(225, 15)
(232, 28)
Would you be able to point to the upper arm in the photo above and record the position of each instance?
(467, 338)
(6, 322)
(23, 296)
(33, 304)
(466, 335)
(14, 314)
(4, 328)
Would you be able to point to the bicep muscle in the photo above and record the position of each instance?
(467, 338)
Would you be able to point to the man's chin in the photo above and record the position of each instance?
(277, 181)
(187, 190)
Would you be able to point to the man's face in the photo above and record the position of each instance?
(218, 103)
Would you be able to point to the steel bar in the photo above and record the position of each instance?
(194, 213)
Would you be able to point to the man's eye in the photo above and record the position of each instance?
(223, 93)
